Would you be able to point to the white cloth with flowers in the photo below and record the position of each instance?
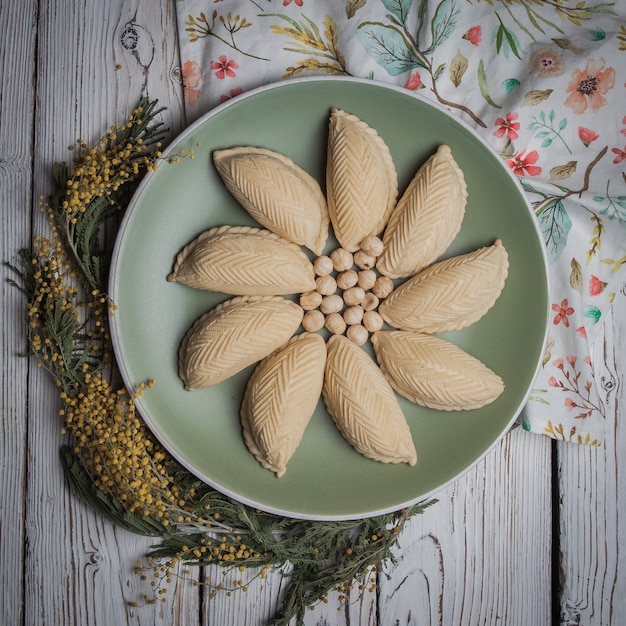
(543, 82)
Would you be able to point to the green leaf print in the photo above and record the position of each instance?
(506, 41)
(483, 85)
(388, 47)
(443, 24)
(555, 225)
(543, 128)
(398, 8)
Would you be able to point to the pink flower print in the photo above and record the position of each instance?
(474, 35)
(231, 94)
(582, 332)
(588, 86)
(587, 135)
(224, 67)
(192, 77)
(286, 3)
(547, 63)
(570, 404)
(414, 82)
(522, 165)
(623, 131)
(507, 126)
(553, 382)
(621, 155)
(562, 311)
(596, 286)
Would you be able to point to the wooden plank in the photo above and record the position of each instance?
(592, 521)
(482, 554)
(17, 66)
(79, 567)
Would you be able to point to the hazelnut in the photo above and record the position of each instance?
(335, 324)
(366, 279)
(347, 279)
(372, 320)
(354, 295)
(323, 265)
(382, 287)
(353, 315)
(313, 320)
(358, 334)
(372, 245)
(331, 304)
(310, 300)
(326, 285)
(370, 302)
(363, 260)
(342, 259)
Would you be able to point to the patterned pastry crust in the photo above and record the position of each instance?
(361, 180)
(233, 335)
(280, 398)
(277, 193)
(363, 405)
(246, 261)
(435, 373)
(427, 217)
(451, 294)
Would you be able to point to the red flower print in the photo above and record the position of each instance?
(231, 94)
(582, 332)
(562, 311)
(621, 155)
(623, 131)
(224, 67)
(192, 77)
(286, 3)
(596, 286)
(522, 165)
(474, 35)
(587, 87)
(570, 404)
(508, 126)
(414, 82)
(587, 135)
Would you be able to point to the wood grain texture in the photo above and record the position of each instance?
(17, 67)
(78, 568)
(482, 555)
(592, 517)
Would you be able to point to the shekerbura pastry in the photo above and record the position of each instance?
(450, 294)
(277, 193)
(361, 180)
(245, 261)
(433, 372)
(427, 217)
(280, 398)
(233, 335)
(363, 405)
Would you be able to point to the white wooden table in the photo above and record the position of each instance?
(529, 537)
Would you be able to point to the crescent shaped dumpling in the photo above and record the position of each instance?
(435, 373)
(361, 180)
(364, 406)
(450, 294)
(277, 193)
(233, 335)
(280, 399)
(244, 261)
(427, 217)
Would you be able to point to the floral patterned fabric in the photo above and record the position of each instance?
(544, 82)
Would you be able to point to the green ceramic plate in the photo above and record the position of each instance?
(326, 478)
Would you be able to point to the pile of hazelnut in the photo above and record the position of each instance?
(347, 293)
